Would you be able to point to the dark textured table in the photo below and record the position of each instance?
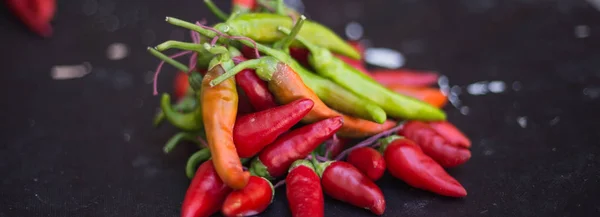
(86, 147)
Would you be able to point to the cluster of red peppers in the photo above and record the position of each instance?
(36, 14)
(289, 108)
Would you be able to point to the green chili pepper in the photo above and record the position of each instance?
(262, 27)
(335, 96)
(394, 104)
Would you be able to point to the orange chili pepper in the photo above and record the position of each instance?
(219, 109)
(433, 96)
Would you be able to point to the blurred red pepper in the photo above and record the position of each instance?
(344, 182)
(243, 5)
(206, 193)
(180, 85)
(406, 161)
(369, 161)
(303, 190)
(451, 133)
(36, 14)
(254, 131)
(434, 145)
(405, 77)
(250, 200)
(433, 96)
(300, 54)
(277, 157)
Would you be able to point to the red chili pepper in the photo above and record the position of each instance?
(254, 131)
(255, 88)
(36, 14)
(250, 200)
(248, 52)
(451, 133)
(244, 105)
(369, 161)
(434, 145)
(338, 147)
(405, 77)
(206, 192)
(277, 157)
(300, 54)
(344, 182)
(358, 46)
(181, 85)
(243, 5)
(303, 190)
(406, 161)
(433, 96)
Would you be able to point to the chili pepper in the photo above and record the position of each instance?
(254, 131)
(368, 161)
(36, 14)
(303, 190)
(277, 157)
(262, 27)
(407, 162)
(205, 194)
(450, 133)
(356, 64)
(244, 105)
(250, 200)
(243, 6)
(395, 105)
(405, 77)
(287, 87)
(333, 95)
(344, 182)
(219, 108)
(358, 46)
(181, 85)
(433, 96)
(256, 89)
(434, 145)
(187, 104)
(300, 54)
(193, 161)
(190, 121)
(337, 147)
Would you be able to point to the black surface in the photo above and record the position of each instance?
(85, 147)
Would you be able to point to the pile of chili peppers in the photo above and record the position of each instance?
(271, 97)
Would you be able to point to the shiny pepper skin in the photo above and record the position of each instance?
(251, 200)
(344, 182)
(369, 161)
(407, 162)
(303, 191)
(205, 194)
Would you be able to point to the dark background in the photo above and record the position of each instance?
(86, 147)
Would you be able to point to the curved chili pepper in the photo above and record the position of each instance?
(434, 145)
(262, 27)
(394, 104)
(368, 161)
(451, 133)
(36, 14)
(405, 77)
(219, 108)
(344, 182)
(333, 95)
(277, 157)
(191, 121)
(255, 88)
(250, 200)
(406, 161)
(288, 86)
(254, 131)
(433, 96)
(303, 190)
(205, 194)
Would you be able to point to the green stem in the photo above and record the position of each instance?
(285, 43)
(179, 45)
(311, 47)
(252, 64)
(216, 10)
(177, 138)
(158, 119)
(280, 8)
(168, 60)
(194, 160)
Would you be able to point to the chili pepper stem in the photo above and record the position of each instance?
(370, 140)
(179, 45)
(216, 10)
(311, 47)
(168, 60)
(280, 7)
(194, 160)
(285, 43)
(173, 141)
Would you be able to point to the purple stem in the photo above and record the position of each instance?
(333, 143)
(369, 141)
(280, 183)
(202, 141)
(214, 41)
(160, 65)
(237, 60)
